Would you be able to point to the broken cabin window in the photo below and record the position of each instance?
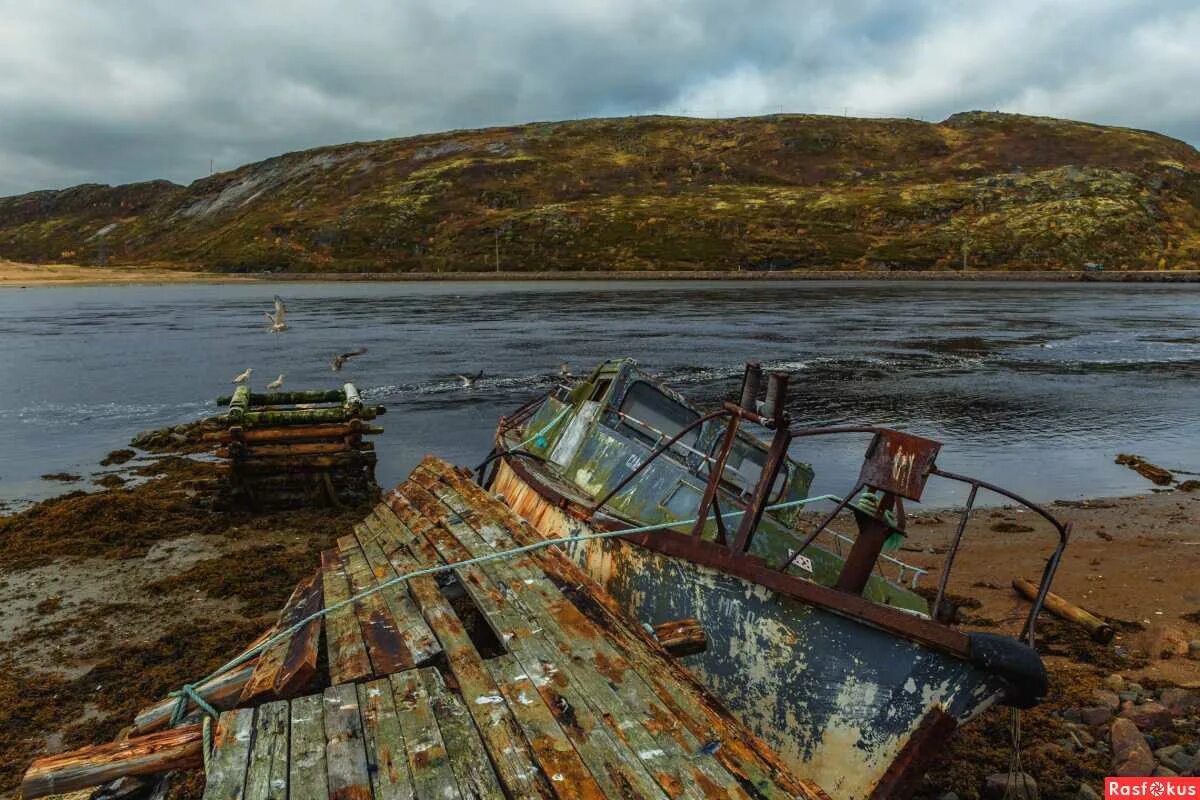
(654, 417)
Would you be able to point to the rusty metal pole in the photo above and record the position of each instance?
(776, 458)
(860, 562)
(716, 471)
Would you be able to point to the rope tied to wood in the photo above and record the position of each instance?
(182, 695)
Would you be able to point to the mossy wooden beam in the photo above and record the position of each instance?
(288, 398)
(239, 403)
(305, 416)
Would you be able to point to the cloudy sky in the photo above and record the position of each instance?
(113, 91)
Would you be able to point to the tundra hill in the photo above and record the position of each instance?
(987, 190)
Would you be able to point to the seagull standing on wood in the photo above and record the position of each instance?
(277, 383)
(469, 380)
(245, 376)
(340, 360)
(277, 319)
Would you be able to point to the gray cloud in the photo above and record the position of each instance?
(117, 92)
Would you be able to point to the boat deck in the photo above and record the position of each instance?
(521, 678)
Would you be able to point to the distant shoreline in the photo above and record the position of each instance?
(20, 275)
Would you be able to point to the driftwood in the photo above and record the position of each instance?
(177, 748)
(307, 416)
(291, 449)
(1100, 630)
(681, 637)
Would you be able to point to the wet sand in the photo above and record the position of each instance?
(14, 274)
(112, 599)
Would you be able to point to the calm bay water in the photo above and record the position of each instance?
(1035, 386)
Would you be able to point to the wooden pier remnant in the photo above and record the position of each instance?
(510, 673)
(291, 449)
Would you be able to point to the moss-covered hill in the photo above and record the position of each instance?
(993, 191)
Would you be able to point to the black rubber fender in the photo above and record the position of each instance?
(1016, 663)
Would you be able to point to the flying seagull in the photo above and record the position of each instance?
(277, 319)
(245, 376)
(469, 380)
(277, 383)
(340, 360)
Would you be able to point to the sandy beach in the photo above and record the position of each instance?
(15, 274)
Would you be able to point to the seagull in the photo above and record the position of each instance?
(564, 371)
(340, 360)
(245, 376)
(277, 383)
(469, 380)
(277, 320)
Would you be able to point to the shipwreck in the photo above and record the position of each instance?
(817, 640)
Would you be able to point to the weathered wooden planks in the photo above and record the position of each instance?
(741, 752)
(347, 653)
(308, 777)
(232, 737)
(267, 771)
(178, 748)
(345, 754)
(468, 756)
(387, 760)
(428, 761)
(288, 666)
(569, 776)
(500, 732)
(418, 637)
(385, 643)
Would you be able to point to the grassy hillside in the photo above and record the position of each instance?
(993, 191)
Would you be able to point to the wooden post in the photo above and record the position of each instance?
(176, 748)
(353, 403)
(239, 403)
(1100, 630)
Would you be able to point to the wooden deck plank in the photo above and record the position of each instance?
(287, 666)
(347, 653)
(741, 753)
(613, 763)
(232, 738)
(661, 741)
(345, 749)
(267, 773)
(385, 644)
(502, 736)
(419, 639)
(308, 778)
(387, 760)
(468, 756)
(428, 761)
(569, 776)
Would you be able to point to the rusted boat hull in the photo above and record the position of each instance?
(857, 708)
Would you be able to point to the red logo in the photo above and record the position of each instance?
(1151, 788)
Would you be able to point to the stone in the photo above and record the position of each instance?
(1106, 698)
(1194, 649)
(1179, 701)
(1174, 756)
(1024, 787)
(1163, 772)
(1095, 715)
(1114, 683)
(1148, 716)
(1136, 688)
(1086, 792)
(1131, 754)
(1127, 697)
(948, 796)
